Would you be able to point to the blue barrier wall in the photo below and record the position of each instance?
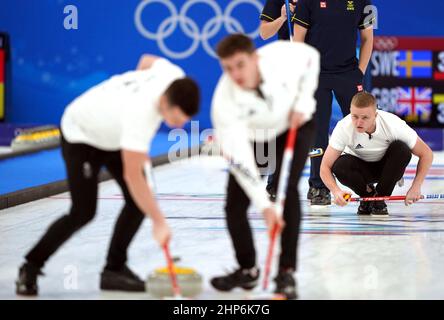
(52, 65)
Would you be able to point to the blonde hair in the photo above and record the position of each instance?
(364, 100)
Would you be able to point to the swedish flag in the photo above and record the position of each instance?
(415, 64)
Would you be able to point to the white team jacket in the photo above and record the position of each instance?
(289, 73)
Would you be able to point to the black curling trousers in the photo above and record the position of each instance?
(83, 164)
(344, 85)
(356, 173)
(237, 204)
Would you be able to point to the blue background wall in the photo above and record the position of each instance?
(52, 65)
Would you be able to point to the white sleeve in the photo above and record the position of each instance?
(305, 101)
(406, 134)
(232, 136)
(164, 67)
(338, 139)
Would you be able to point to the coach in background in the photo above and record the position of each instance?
(332, 28)
(274, 19)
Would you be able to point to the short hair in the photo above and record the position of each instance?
(234, 43)
(364, 100)
(185, 94)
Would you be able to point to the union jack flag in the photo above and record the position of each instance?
(414, 103)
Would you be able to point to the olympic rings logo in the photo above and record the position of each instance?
(385, 43)
(190, 28)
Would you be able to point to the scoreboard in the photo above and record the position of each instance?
(408, 78)
(3, 52)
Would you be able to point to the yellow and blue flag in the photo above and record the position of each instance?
(415, 64)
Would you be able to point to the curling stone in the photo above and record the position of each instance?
(159, 284)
